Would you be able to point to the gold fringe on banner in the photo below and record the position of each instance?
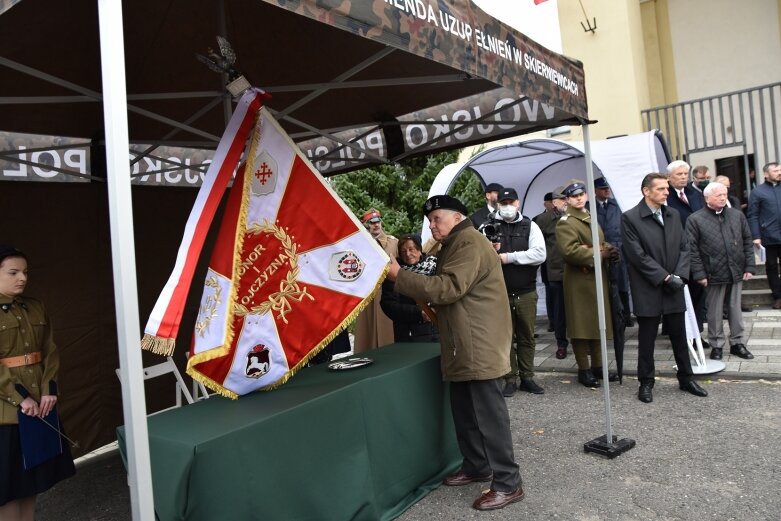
(223, 351)
(314, 352)
(158, 345)
(211, 384)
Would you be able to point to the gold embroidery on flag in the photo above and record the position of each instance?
(289, 289)
(208, 310)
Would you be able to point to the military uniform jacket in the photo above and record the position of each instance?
(469, 295)
(373, 328)
(652, 252)
(24, 329)
(573, 233)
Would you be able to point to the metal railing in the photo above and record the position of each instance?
(749, 119)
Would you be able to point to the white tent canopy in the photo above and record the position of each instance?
(537, 166)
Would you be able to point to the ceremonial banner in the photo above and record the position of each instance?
(290, 269)
(163, 325)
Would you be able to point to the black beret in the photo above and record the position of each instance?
(493, 187)
(548, 196)
(444, 202)
(601, 182)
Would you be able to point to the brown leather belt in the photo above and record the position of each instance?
(21, 360)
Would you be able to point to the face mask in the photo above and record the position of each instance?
(507, 211)
(703, 184)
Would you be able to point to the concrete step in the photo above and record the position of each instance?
(756, 282)
(761, 269)
(757, 297)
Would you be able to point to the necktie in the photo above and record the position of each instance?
(682, 197)
(658, 215)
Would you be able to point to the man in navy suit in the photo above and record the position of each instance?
(683, 197)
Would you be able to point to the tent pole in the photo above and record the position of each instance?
(607, 446)
(598, 276)
(112, 52)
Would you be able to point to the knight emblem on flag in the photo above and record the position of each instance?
(258, 362)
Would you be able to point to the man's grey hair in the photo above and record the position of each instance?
(712, 187)
(676, 165)
(449, 211)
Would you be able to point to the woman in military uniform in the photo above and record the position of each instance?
(573, 235)
(28, 370)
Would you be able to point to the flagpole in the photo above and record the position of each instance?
(112, 53)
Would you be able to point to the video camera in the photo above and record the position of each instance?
(492, 230)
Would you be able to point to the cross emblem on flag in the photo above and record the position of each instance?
(263, 173)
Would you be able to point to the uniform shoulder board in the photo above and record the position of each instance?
(564, 217)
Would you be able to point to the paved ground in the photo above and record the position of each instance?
(715, 458)
(762, 337)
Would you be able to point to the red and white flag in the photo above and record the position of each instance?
(163, 325)
(291, 267)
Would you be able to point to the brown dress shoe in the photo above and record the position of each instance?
(777, 304)
(462, 478)
(493, 500)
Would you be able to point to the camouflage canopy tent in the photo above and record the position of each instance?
(353, 83)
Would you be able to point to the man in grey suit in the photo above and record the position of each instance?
(657, 256)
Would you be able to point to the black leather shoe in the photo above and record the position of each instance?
(530, 386)
(561, 353)
(694, 388)
(462, 478)
(645, 394)
(715, 353)
(550, 329)
(586, 378)
(493, 500)
(509, 389)
(741, 351)
(597, 372)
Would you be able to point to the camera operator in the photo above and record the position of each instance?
(521, 248)
(483, 215)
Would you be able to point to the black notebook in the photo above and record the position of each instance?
(40, 442)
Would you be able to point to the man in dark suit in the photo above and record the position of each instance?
(491, 194)
(657, 255)
(684, 198)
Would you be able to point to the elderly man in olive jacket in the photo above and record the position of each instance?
(657, 255)
(722, 257)
(469, 296)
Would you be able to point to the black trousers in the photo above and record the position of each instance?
(773, 255)
(697, 293)
(559, 314)
(646, 339)
(483, 432)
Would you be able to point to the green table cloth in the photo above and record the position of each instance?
(365, 443)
